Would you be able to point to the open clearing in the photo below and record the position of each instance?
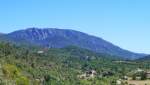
(137, 82)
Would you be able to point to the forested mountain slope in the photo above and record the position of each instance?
(21, 65)
(59, 38)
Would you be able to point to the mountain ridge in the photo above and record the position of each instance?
(59, 38)
(145, 58)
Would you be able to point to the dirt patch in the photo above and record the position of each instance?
(137, 82)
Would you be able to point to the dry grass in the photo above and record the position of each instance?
(138, 82)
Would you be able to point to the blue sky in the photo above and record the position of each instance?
(125, 23)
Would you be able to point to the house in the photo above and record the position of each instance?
(88, 74)
(119, 82)
(148, 75)
(91, 73)
(107, 73)
(125, 78)
(83, 76)
(139, 70)
(140, 74)
(40, 52)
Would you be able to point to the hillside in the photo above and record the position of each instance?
(25, 66)
(146, 58)
(21, 65)
(59, 38)
(1, 34)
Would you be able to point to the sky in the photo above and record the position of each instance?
(125, 23)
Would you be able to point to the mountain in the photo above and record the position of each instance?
(146, 58)
(1, 34)
(59, 38)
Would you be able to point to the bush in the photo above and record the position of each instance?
(10, 71)
(22, 81)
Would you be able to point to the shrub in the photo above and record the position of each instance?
(10, 71)
(22, 81)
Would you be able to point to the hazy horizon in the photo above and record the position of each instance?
(124, 23)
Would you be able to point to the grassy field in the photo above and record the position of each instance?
(138, 82)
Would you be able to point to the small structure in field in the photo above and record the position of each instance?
(125, 78)
(141, 75)
(107, 73)
(148, 75)
(40, 52)
(88, 74)
(119, 82)
(139, 70)
(91, 73)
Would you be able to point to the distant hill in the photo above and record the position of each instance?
(1, 33)
(59, 38)
(146, 58)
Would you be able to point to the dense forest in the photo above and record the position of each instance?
(23, 65)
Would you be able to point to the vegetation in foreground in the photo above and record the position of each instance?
(22, 65)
